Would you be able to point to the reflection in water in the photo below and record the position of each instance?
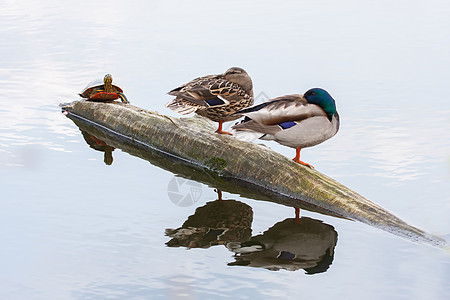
(99, 145)
(216, 223)
(293, 244)
(290, 245)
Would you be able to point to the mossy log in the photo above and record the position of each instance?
(231, 165)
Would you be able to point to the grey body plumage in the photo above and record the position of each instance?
(296, 121)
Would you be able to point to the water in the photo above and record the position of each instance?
(76, 228)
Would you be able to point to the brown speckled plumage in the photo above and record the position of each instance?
(216, 97)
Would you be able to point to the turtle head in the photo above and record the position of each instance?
(108, 83)
(323, 99)
(239, 76)
(107, 79)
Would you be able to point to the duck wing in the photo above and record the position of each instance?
(249, 125)
(208, 91)
(288, 108)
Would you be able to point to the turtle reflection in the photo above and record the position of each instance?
(99, 145)
(216, 223)
(291, 245)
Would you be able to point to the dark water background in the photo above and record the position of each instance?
(73, 227)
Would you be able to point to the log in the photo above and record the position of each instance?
(187, 170)
(189, 147)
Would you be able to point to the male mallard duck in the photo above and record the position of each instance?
(216, 97)
(293, 120)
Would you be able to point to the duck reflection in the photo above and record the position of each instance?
(291, 244)
(216, 223)
(99, 145)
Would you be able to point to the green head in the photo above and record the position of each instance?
(321, 98)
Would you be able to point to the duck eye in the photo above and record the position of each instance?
(313, 93)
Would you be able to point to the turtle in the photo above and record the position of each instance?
(103, 90)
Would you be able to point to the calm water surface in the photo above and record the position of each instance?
(73, 227)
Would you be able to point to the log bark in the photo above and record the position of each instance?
(189, 146)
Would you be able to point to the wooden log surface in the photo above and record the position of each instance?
(189, 146)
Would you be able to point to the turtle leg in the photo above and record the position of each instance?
(123, 98)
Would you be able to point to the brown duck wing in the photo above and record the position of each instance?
(283, 109)
(209, 91)
(194, 82)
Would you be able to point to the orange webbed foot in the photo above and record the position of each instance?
(297, 158)
(303, 163)
(222, 132)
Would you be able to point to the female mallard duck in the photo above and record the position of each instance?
(293, 120)
(216, 97)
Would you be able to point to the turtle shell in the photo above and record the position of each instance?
(95, 91)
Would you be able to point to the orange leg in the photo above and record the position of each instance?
(297, 158)
(297, 215)
(219, 194)
(219, 130)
